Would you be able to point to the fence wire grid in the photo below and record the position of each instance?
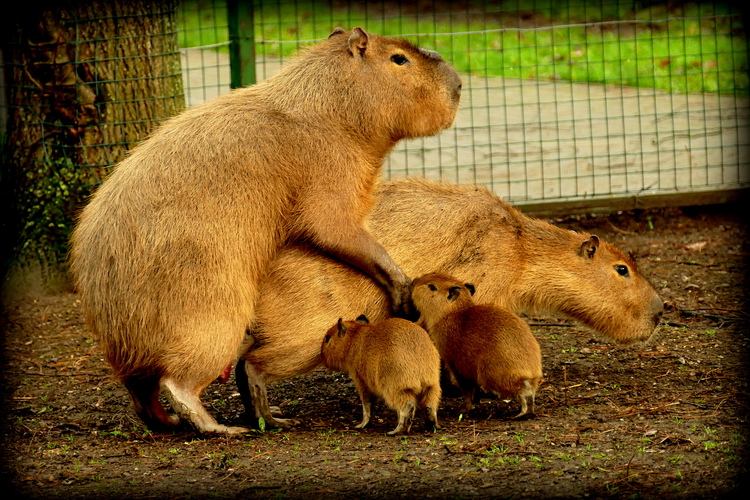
(585, 102)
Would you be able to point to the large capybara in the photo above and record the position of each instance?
(518, 262)
(482, 346)
(169, 253)
(394, 360)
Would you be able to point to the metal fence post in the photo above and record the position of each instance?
(242, 42)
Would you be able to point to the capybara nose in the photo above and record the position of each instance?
(657, 309)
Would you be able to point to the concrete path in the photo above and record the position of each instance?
(532, 141)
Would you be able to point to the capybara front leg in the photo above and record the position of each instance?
(366, 397)
(145, 395)
(186, 403)
(358, 248)
(252, 387)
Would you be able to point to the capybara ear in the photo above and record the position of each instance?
(362, 319)
(453, 293)
(470, 288)
(358, 42)
(338, 31)
(341, 328)
(588, 247)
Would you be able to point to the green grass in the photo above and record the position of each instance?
(684, 55)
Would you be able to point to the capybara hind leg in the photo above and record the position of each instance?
(468, 390)
(526, 398)
(145, 395)
(405, 417)
(430, 401)
(187, 404)
(252, 386)
(430, 419)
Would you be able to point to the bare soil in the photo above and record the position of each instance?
(664, 419)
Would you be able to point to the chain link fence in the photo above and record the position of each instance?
(567, 105)
(84, 82)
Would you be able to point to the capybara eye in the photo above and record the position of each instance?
(622, 270)
(328, 337)
(432, 287)
(399, 59)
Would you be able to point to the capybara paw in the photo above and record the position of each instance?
(282, 422)
(226, 429)
(395, 432)
(275, 411)
(407, 311)
(523, 415)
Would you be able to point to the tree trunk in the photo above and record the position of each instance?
(88, 80)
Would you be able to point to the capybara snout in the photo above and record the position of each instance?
(657, 307)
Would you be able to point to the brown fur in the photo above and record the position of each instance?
(481, 346)
(169, 253)
(517, 262)
(394, 360)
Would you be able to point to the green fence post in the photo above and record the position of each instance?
(241, 42)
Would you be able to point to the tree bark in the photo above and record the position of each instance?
(87, 81)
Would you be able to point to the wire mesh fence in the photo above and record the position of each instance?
(84, 83)
(588, 102)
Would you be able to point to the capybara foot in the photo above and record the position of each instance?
(228, 430)
(524, 415)
(281, 423)
(275, 411)
(183, 397)
(145, 395)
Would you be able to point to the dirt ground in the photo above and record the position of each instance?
(664, 419)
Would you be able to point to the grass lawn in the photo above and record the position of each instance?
(696, 47)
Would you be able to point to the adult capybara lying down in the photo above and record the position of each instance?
(482, 346)
(518, 262)
(394, 360)
(169, 253)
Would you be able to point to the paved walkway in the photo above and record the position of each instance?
(540, 140)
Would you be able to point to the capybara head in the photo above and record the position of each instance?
(435, 295)
(336, 343)
(395, 86)
(613, 293)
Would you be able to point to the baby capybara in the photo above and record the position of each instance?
(394, 360)
(482, 346)
(169, 254)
